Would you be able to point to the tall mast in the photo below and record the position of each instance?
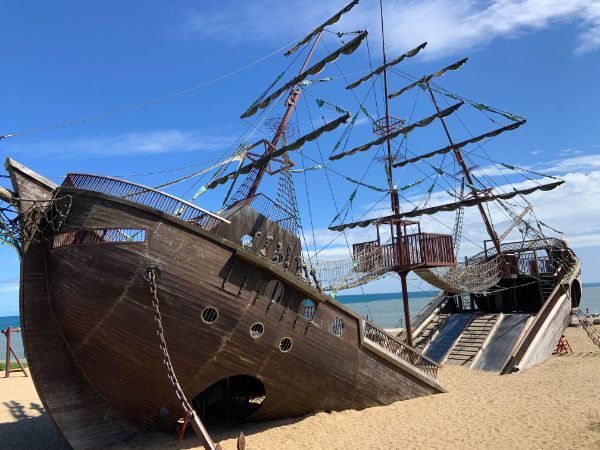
(467, 174)
(395, 199)
(291, 105)
(393, 194)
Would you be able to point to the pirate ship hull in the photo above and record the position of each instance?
(91, 337)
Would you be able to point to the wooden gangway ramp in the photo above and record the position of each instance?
(470, 342)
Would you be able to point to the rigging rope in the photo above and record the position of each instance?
(147, 102)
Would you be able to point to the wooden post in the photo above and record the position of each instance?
(7, 333)
(7, 370)
(407, 325)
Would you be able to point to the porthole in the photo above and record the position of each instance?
(274, 291)
(336, 326)
(209, 315)
(246, 241)
(256, 330)
(285, 344)
(307, 309)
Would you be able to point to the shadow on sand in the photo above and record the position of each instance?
(29, 430)
(33, 429)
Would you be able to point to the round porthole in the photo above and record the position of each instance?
(256, 330)
(285, 344)
(209, 315)
(336, 326)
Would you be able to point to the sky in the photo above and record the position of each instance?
(196, 66)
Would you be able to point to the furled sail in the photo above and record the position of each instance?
(404, 130)
(449, 206)
(346, 49)
(427, 78)
(266, 159)
(380, 69)
(321, 27)
(496, 132)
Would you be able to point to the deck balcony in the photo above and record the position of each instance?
(418, 250)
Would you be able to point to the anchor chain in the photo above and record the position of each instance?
(152, 273)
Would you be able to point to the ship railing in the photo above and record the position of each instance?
(529, 262)
(146, 196)
(514, 247)
(275, 212)
(436, 303)
(399, 349)
(413, 250)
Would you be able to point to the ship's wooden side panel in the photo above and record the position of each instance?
(83, 418)
(102, 303)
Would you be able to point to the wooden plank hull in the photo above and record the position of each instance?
(100, 300)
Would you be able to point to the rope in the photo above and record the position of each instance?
(147, 102)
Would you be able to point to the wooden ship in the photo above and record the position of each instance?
(138, 306)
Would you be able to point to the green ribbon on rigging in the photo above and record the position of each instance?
(517, 169)
(320, 102)
(349, 203)
(408, 186)
(309, 82)
(307, 169)
(360, 183)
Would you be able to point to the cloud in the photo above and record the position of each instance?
(577, 164)
(9, 284)
(450, 26)
(134, 143)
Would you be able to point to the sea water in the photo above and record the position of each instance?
(384, 309)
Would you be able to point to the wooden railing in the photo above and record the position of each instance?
(379, 337)
(436, 302)
(147, 196)
(413, 250)
(515, 247)
(275, 212)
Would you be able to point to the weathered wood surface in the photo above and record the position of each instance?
(101, 302)
(82, 416)
(91, 341)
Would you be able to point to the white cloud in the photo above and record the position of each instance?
(9, 284)
(577, 164)
(450, 26)
(134, 143)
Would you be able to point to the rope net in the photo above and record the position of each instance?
(33, 220)
(464, 278)
(363, 267)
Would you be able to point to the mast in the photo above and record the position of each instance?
(395, 199)
(393, 194)
(291, 105)
(467, 174)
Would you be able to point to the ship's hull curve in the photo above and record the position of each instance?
(102, 303)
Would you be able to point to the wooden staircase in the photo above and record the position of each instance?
(547, 285)
(425, 336)
(472, 339)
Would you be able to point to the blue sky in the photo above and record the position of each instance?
(68, 60)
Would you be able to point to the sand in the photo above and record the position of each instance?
(555, 405)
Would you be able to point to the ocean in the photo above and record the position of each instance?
(383, 309)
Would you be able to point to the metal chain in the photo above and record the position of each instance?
(151, 274)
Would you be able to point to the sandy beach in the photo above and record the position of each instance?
(552, 406)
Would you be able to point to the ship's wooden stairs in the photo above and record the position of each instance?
(472, 339)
